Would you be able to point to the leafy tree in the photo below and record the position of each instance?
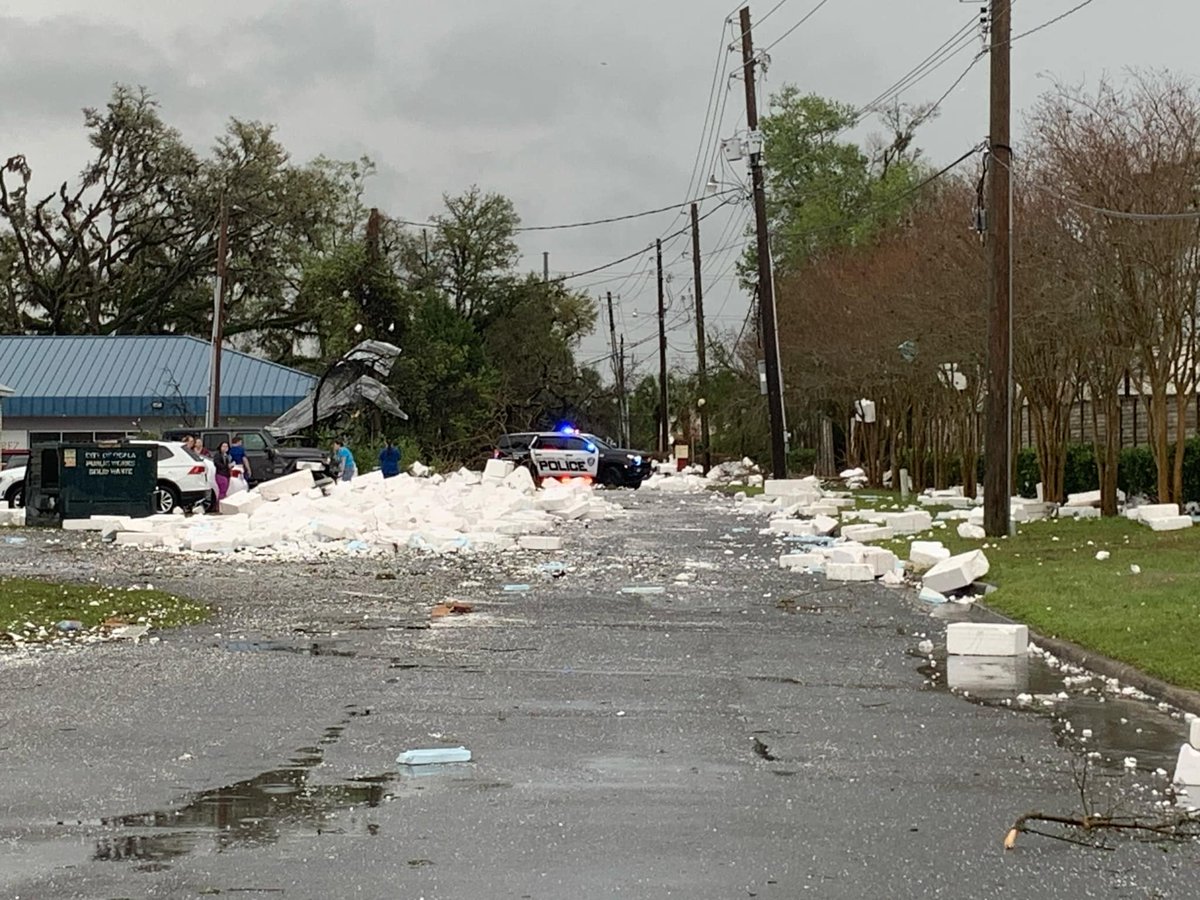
(475, 247)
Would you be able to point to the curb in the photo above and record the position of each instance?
(1181, 698)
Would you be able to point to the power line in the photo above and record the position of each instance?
(948, 49)
(1137, 217)
(1048, 23)
(812, 12)
(590, 222)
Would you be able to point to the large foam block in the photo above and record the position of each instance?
(243, 502)
(986, 676)
(1187, 767)
(909, 522)
(802, 561)
(926, 554)
(864, 533)
(540, 542)
(837, 571)
(788, 487)
(286, 485)
(138, 539)
(1169, 523)
(496, 470)
(12, 517)
(986, 639)
(1194, 733)
(956, 572)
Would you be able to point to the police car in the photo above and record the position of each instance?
(568, 453)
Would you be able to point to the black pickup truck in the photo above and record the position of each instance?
(268, 458)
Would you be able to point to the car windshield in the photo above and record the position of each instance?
(603, 445)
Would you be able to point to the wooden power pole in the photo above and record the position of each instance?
(664, 420)
(766, 287)
(213, 416)
(701, 349)
(998, 439)
(618, 371)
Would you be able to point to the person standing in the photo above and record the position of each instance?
(389, 460)
(224, 463)
(344, 460)
(237, 452)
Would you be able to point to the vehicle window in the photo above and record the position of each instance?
(254, 441)
(193, 454)
(574, 443)
(548, 442)
(164, 453)
(603, 445)
(213, 440)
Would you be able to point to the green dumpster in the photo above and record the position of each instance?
(75, 481)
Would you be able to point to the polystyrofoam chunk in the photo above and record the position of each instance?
(986, 639)
(908, 522)
(956, 572)
(1169, 523)
(836, 571)
(286, 485)
(802, 561)
(1187, 766)
(244, 502)
(971, 532)
(1194, 733)
(925, 554)
(1157, 511)
(866, 533)
(540, 542)
(139, 539)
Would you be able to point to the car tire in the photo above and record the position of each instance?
(610, 476)
(166, 498)
(15, 498)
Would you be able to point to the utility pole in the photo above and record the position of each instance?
(766, 291)
(617, 370)
(701, 349)
(545, 266)
(998, 439)
(213, 415)
(626, 440)
(663, 419)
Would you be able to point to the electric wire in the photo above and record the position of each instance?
(812, 12)
(1049, 22)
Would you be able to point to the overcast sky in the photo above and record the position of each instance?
(576, 110)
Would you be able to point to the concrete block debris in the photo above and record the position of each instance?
(986, 639)
(957, 572)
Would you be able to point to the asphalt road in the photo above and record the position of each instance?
(702, 742)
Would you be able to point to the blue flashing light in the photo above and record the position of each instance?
(568, 429)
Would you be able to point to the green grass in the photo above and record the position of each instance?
(1150, 620)
(31, 609)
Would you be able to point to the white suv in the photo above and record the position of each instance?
(184, 479)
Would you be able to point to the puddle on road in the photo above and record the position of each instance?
(1076, 702)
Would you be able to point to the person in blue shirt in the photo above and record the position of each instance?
(344, 461)
(389, 460)
(237, 452)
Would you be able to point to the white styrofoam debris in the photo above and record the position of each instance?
(954, 502)
(95, 523)
(139, 539)
(970, 532)
(244, 502)
(986, 639)
(1169, 523)
(286, 485)
(14, 518)
(925, 554)
(540, 542)
(520, 480)
(824, 525)
(1155, 511)
(1087, 498)
(1079, 512)
(498, 469)
(1102, 555)
(881, 561)
(956, 572)
(929, 595)
(912, 521)
(1003, 675)
(839, 571)
(1187, 766)
(866, 533)
(802, 561)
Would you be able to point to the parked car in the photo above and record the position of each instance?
(615, 466)
(12, 459)
(268, 457)
(185, 480)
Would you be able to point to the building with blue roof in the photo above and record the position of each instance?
(79, 388)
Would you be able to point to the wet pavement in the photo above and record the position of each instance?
(744, 732)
